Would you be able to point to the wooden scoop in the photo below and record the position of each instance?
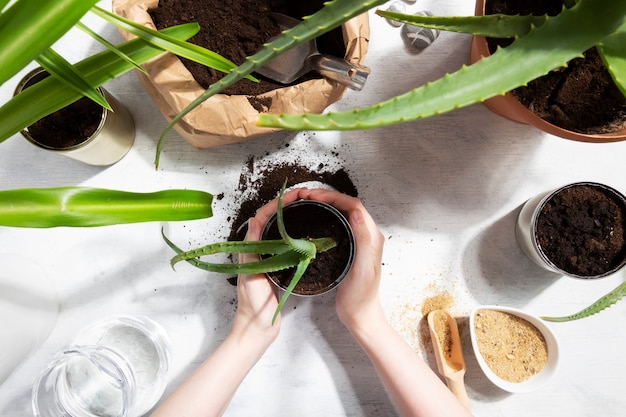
(448, 352)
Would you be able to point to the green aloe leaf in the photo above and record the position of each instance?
(304, 247)
(603, 303)
(46, 21)
(284, 259)
(543, 49)
(58, 67)
(613, 52)
(3, 4)
(50, 94)
(300, 270)
(89, 207)
(493, 26)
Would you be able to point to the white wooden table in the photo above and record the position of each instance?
(444, 191)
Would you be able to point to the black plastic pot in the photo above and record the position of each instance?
(314, 219)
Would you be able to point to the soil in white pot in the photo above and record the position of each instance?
(581, 230)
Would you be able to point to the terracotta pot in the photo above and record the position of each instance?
(343, 253)
(508, 106)
(527, 231)
(224, 119)
(112, 139)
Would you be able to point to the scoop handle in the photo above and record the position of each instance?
(340, 70)
(458, 389)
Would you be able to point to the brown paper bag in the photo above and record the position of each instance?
(224, 119)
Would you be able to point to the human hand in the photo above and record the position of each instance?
(357, 299)
(256, 295)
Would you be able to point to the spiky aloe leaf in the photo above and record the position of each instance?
(493, 26)
(333, 14)
(611, 48)
(264, 247)
(603, 303)
(303, 247)
(300, 270)
(543, 49)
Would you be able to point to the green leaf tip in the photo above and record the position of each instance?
(601, 304)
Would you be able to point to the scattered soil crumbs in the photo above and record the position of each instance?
(513, 348)
(260, 182)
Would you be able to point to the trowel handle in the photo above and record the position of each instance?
(340, 70)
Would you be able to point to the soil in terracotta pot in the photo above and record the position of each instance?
(308, 222)
(581, 229)
(262, 183)
(68, 127)
(581, 97)
(236, 29)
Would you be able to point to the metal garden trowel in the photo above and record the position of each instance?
(293, 64)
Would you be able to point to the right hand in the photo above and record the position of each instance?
(358, 296)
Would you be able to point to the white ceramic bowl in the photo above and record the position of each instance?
(534, 382)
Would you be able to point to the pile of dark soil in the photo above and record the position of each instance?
(582, 230)
(264, 186)
(236, 29)
(261, 184)
(581, 97)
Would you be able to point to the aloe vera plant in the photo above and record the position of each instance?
(542, 43)
(601, 304)
(90, 207)
(284, 253)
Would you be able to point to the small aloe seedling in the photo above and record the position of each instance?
(283, 254)
(601, 304)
